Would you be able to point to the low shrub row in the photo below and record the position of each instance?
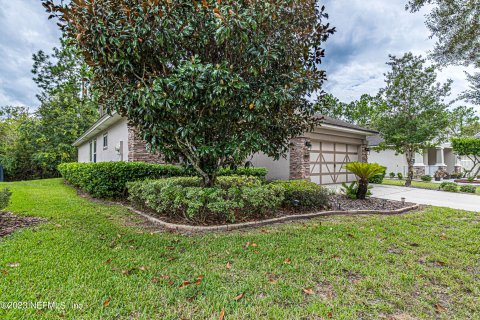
(453, 187)
(231, 199)
(183, 198)
(109, 179)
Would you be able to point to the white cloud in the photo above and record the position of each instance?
(24, 29)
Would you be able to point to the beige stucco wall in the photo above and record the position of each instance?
(116, 133)
(277, 170)
(387, 158)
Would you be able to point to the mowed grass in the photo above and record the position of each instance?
(417, 184)
(423, 264)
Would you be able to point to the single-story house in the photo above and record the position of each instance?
(426, 163)
(319, 155)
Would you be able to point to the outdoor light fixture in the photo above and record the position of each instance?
(403, 200)
(308, 144)
(296, 203)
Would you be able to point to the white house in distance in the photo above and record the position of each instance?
(441, 156)
(318, 156)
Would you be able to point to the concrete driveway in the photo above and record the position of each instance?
(452, 200)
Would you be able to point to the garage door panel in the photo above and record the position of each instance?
(327, 161)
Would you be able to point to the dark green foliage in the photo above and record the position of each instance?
(449, 186)
(233, 198)
(363, 112)
(109, 179)
(33, 144)
(469, 147)
(303, 195)
(426, 178)
(392, 175)
(5, 195)
(212, 82)
(468, 188)
(378, 178)
(351, 190)
(400, 176)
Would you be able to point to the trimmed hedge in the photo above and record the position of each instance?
(303, 195)
(426, 178)
(183, 198)
(449, 186)
(109, 179)
(468, 188)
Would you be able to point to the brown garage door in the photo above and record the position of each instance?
(327, 160)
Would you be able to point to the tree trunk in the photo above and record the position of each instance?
(410, 159)
(362, 189)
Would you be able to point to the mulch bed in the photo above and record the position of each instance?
(9, 223)
(337, 203)
(467, 181)
(343, 203)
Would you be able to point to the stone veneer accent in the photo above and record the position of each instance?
(137, 149)
(299, 159)
(364, 152)
(418, 171)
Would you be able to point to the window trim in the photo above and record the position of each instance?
(105, 139)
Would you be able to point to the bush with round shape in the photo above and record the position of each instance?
(426, 178)
(378, 178)
(449, 186)
(303, 195)
(392, 175)
(400, 176)
(468, 188)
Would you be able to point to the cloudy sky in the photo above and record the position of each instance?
(367, 31)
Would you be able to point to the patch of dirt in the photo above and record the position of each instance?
(9, 223)
(401, 316)
(325, 291)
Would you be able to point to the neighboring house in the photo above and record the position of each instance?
(319, 155)
(426, 163)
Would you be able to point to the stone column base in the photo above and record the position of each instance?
(457, 169)
(418, 171)
(299, 159)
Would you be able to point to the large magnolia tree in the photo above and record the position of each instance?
(415, 114)
(210, 82)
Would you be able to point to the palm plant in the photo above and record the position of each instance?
(364, 171)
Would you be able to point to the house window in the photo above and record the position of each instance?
(93, 150)
(105, 141)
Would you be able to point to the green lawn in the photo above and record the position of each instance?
(423, 264)
(416, 184)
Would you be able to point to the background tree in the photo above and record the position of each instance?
(462, 118)
(472, 129)
(363, 112)
(210, 82)
(35, 143)
(469, 147)
(455, 24)
(416, 114)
